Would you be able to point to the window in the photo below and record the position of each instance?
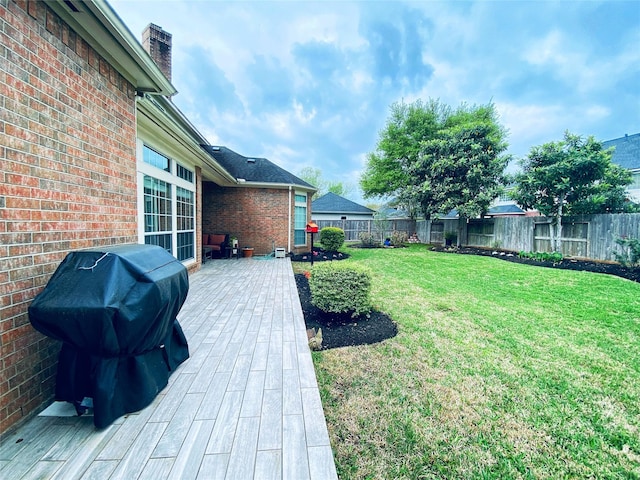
(185, 223)
(154, 158)
(168, 199)
(184, 173)
(300, 219)
(635, 181)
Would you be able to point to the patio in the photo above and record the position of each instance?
(244, 405)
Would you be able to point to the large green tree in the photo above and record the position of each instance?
(314, 177)
(574, 175)
(433, 158)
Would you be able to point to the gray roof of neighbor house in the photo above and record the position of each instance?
(505, 209)
(332, 203)
(627, 151)
(254, 170)
(390, 212)
(495, 210)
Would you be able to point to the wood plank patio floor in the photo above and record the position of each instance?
(245, 404)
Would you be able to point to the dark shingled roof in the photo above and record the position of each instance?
(495, 210)
(627, 151)
(504, 209)
(332, 203)
(253, 169)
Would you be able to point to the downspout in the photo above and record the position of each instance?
(289, 226)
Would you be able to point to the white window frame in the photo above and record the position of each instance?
(170, 177)
(297, 203)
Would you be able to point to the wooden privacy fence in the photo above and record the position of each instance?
(585, 236)
(380, 228)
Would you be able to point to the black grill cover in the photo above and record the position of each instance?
(114, 309)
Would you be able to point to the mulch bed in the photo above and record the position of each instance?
(342, 330)
(630, 273)
(319, 255)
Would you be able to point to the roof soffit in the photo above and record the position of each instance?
(98, 24)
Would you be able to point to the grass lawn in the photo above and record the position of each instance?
(499, 370)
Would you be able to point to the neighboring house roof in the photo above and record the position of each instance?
(332, 203)
(254, 170)
(391, 213)
(627, 151)
(508, 209)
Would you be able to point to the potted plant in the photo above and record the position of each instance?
(247, 252)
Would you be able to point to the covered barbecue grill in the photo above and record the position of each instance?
(115, 310)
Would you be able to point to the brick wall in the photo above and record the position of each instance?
(67, 180)
(257, 216)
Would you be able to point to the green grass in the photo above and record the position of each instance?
(499, 371)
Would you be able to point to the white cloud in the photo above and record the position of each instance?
(310, 83)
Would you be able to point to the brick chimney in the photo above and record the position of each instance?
(157, 43)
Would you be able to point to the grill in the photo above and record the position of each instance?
(115, 311)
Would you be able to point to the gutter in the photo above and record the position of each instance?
(99, 25)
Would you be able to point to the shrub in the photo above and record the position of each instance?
(554, 257)
(630, 256)
(368, 239)
(337, 287)
(398, 238)
(332, 238)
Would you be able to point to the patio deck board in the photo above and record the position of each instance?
(244, 405)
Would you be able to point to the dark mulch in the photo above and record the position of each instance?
(342, 330)
(630, 273)
(319, 255)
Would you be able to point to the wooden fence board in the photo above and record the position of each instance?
(586, 236)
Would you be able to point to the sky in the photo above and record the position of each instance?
(310, 84)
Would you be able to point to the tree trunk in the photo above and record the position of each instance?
(557, 243)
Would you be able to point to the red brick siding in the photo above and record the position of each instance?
(257, 216)
(67, 180)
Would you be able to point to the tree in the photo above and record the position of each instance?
(435, 159)
(314, 177)
(573, 175)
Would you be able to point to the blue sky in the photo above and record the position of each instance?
(309, 84)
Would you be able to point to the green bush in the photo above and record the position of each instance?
(368, 239)
(332, 238)
(337, 287)
(554, 257)
(398, 238)
(630, 256)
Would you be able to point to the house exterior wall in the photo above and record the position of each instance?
(259, 217)
(67, 181)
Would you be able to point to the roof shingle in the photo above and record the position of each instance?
(627, 151)
(253, 169)
(332, 203)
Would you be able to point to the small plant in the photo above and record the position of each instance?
(368, 239)
(341, 288)
(398, 238)
(332, 238)
(496, 245)
(450, 238)
(554, 257)
(630, 255)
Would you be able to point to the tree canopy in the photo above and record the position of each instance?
(432, 158)
(314, 177)
(572, 176)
